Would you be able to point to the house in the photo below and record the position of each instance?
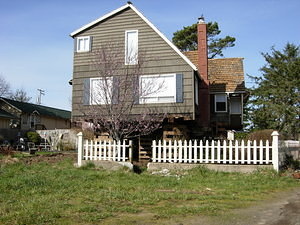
(201, 97)
(227, 85)
(25, 116)
(5, 119)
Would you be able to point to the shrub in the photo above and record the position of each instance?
(261, 135)
(291, 163)
(65, 146)
(6, 150)
(241, 135)
(33, 137)
(88, 134)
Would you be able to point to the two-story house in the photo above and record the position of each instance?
(201, 97)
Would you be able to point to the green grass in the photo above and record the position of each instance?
(62, 194)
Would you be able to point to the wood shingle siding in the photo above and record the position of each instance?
(160, 58)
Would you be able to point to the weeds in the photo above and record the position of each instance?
(58, 193)
(6, 150)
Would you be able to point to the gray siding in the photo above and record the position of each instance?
(160, 59)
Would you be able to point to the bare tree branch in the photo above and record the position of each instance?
(20, 95)
(4, 87)
(115, 92)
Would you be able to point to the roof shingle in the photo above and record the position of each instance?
(225, 74)
(42, 110)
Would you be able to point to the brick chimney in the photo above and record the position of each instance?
(204, 99)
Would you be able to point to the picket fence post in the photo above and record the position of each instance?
(130, 150)
(275, 152)
(79, 149)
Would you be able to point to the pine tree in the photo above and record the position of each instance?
(275, 102)
(186, 39)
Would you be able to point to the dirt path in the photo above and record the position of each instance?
(282, 209)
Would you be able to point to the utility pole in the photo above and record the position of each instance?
(39, 98)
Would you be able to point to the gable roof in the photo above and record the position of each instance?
(42, 110)
(6, 115)
(225, 74)
(129, 5)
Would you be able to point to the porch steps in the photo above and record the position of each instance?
(145, 149)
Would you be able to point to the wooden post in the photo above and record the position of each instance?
(130, 150)
(230, 152)
(275, 151)
(236, 152)
(243, 152)
(79, 149)
(164, 151)
(219, 151)
(206, 151)
(159, 151)
(153, 151)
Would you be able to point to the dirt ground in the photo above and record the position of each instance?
(49, 158)
(282, 208)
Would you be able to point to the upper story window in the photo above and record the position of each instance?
(158, 88)
(83, 44)
(131, 47)
(220, 103)
(101, 90)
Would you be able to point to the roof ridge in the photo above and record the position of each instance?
(29, 103)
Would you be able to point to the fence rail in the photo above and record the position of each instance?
(119, 151)
(217, 152)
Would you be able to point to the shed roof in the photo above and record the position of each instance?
(42, 110)
(224, 74)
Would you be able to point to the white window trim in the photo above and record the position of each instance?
(88, 46)
(224, 94)
(127, 62)
(91, 100)
(141, 99)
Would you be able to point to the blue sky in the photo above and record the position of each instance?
(37, 52)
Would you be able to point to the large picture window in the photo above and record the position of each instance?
(220, 103)
(101, 90)
(158, 88)
(131, 47)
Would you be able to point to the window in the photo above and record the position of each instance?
(34, 119)
(25, 119)
(131, 47)
(83, 44)
(101, 90)
(235, 106)
(220, 103)
(158, 88)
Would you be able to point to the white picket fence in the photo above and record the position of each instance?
(217, 152)
(120, 151)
